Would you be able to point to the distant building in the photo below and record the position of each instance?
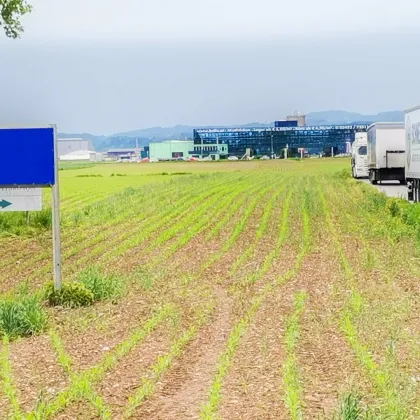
(83, 155)
(170, 149)
(126, 153)
(65, 146)
(285, 123)
(273, 140)
(176, 149)
(298, 117)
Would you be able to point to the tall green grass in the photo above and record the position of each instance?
(16, 223)
(21, 316)
(102, 286)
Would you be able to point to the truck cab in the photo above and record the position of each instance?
(359, 158)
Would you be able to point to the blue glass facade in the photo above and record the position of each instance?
(261, 141)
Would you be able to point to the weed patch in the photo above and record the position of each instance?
(21, 316)
(71, 295)
(102, 287)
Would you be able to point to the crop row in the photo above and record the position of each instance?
(210, 408)
(391, 404)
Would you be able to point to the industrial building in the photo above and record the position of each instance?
(83, 155)
(273, 140)
(170, 149)
(65, 146)
(127, 153)
(183, 149)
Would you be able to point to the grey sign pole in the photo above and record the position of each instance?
(56, 219)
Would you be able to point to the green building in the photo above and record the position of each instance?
(171, 149)
(175, 149)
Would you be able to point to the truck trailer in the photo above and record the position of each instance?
(386, 152)
(359, 162)
(412, 147)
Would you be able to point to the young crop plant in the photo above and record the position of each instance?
(162, 218)
(81, 385)
(7, 387)
(238, 228)
(62, 358)
(191, 216)
(262, 226)
(292, 383)
(281, 237)
(240, 198)
(200, 223)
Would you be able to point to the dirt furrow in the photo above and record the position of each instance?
(184, 387)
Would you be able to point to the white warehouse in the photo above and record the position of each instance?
(65, 146)
(83, 155)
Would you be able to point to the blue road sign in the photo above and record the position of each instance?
(27, 156)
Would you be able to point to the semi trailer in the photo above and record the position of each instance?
(412, 147)
(386, 152)
(359, 162)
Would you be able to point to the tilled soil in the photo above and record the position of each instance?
(204, 274)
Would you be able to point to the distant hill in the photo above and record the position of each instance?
(344, 117)
(145, 135)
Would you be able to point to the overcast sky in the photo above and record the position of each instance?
(106, 66)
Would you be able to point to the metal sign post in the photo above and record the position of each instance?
(29, 162)
(56, 219)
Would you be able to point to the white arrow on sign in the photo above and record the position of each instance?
(20, 199)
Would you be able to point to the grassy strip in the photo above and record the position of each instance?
(380, 378)
(209, 410)
(292, 384)
(81, 385)
(6, 381)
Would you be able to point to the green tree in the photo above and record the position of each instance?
(10, 13)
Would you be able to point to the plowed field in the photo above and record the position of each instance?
(248, 290)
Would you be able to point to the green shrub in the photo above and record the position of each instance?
(102, 286)
(21, 316)
(71, 295)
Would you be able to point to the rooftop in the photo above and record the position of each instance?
(132, 149)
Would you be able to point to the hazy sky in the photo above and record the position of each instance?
(106, 66)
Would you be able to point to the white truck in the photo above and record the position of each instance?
(359, 162)
(386, 152)
(412, 147)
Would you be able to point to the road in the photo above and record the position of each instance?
(390, 188)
